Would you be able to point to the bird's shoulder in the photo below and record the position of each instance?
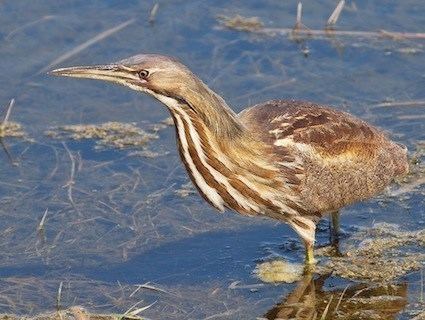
(326, 130)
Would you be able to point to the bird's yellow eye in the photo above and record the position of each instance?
(143, 74)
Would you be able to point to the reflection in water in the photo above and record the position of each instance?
(310, 300)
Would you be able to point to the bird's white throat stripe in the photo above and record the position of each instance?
(242, 201)
(209, 192)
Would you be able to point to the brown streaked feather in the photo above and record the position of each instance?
(268, 175)
(190, 173)
(230, 201)
(343, 159)
(309, 123)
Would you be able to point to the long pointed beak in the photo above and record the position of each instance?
(110, 72)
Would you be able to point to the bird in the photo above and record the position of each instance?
(290, 160)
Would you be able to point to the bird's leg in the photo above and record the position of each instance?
(335, 233)
(309, 253)
(335, 226)
(306, 229)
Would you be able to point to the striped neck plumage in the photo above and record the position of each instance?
(207, 106)
(229, 167)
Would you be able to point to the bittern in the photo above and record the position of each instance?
(293, 161)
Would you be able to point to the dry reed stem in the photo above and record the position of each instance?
(153, 13)
(254, 25)
(325, 312)
(99, 37)
(9, 129)
(71, 181)
(340, 299)
(335, 14)
(134, 314)
(8, 112)
(420, 316)
(29, 24)
(383, 34)
(148, 286)
(59, 295)
(298, 22)
(422, 286)
(42, 221)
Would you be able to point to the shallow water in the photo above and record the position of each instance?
(120, 223)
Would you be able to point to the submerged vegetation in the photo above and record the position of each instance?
(396, 253)
(10, 128)
(255, 25)
(380, 254)
(112, 134)
(110, 235)
(241, 23)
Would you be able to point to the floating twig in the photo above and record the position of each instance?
(29, 24)
(335, 14)
(413, 103)
(42, 221)
(58, 297)
(153, 13)
(236, 285)
(148, 286)
(392, 35)
(101, 36)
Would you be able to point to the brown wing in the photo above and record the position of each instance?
(343, 159)
(329, 131)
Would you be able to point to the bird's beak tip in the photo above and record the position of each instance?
(57, 72)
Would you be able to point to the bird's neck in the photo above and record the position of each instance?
(222, 157)
(205, 106)
(205, 114)
(213, 111)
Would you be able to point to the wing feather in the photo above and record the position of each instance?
(328, 131)
(331, 158)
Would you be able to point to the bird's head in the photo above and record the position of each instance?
(169, 81)
(150, 73)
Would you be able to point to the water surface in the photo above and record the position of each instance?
(124, 224)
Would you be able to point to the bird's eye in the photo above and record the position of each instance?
(143, 74)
